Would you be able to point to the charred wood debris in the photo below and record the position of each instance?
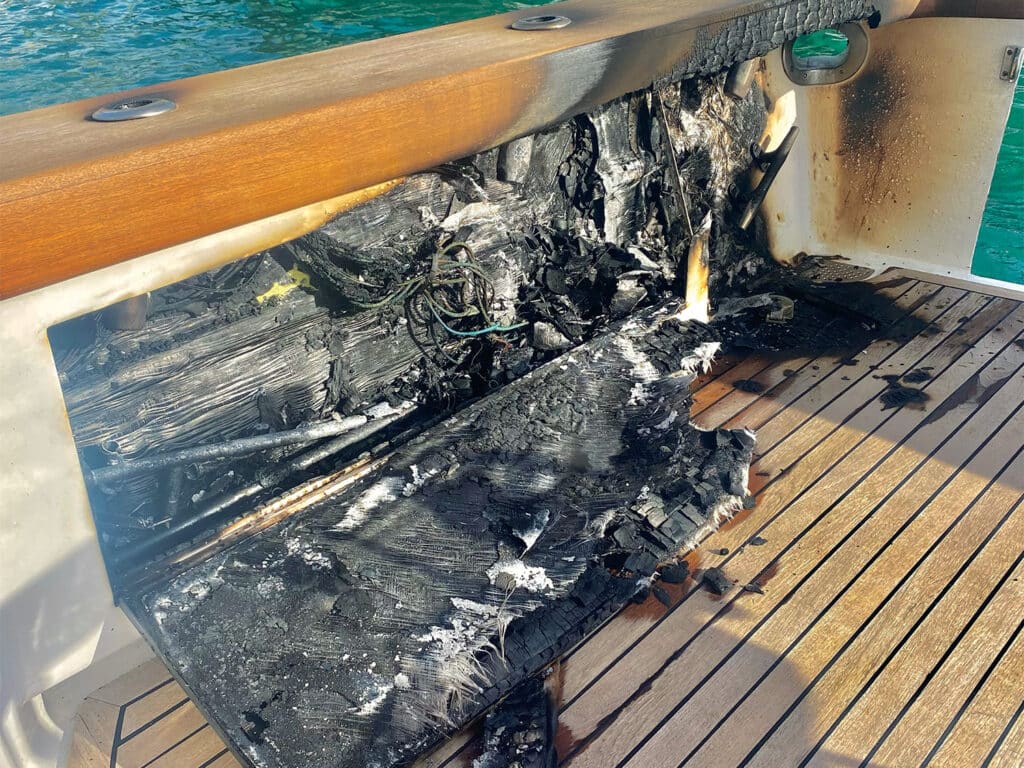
(502, 335)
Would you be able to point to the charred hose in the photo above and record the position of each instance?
(230, 449)
(182, 530)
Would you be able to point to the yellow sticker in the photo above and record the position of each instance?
(299, 279)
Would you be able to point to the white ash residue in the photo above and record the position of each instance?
(515, 574)
(309, 556)
(374, 697)
(379, 493)
(419, 479)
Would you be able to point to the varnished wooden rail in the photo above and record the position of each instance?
(243, 144)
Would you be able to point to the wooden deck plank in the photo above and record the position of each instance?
(971, 736)
(600, 652)
(162, 736)
(1009, 752)
(908, 736)
(199, 747)
(662, 696)
(847, 665)
(872, 641)
(647, 658)
(133, 684)
(724, 385)
(160, 703)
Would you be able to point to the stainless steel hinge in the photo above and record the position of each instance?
(1010, 67)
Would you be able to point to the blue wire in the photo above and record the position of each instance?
(494, 328)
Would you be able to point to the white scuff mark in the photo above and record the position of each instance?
(532, 532)
(700, 360)
(539, 482)
(379, 493)
(428, 217)
(596, 527)
(477, 214)
(160, 608)
(472, 606)
(519, 575)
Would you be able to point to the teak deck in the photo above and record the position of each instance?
(881, 624)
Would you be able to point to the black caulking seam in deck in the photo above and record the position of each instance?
(606, 722)
(654, 626)
(874, 676)
(963, 707)
(1003, 736)
(155, 720)
(874, 613)
(175, 745)
(810, 626)
(831, 603)
(214, 759)
(793, 500)
(144, 694)
(117, 736)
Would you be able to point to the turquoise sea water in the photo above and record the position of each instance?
(1000, 249)
(51, 52)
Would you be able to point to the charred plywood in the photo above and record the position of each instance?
(361, 629)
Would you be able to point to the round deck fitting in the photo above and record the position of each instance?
(133, 108)
(535, 23)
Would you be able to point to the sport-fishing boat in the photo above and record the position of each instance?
(603, 384)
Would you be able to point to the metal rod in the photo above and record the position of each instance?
(181, 530)
(240, 447)
(680, 194)
(175, 485)
(772, 164)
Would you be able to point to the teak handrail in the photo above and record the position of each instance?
(77, 195)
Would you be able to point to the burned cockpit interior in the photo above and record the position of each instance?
(358, 488)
